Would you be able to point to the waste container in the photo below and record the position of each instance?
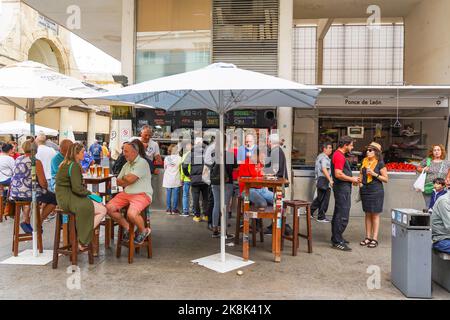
(411, 252)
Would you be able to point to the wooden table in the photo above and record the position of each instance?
(109, 231)
(274, 213)
(96, 181)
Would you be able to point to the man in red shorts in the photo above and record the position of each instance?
(135, 178)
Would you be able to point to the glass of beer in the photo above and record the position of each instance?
(99, 171)
(105, 172)
(92, 170)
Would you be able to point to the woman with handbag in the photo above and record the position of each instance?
(435, 166)
(73, 196)
(373, 174)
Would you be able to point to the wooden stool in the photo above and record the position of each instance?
(109, 225)
(132, 247)
(21, 237)
(239, 229)
(296, 205)
(71, 249)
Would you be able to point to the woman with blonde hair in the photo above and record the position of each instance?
(435, 166)
(373, 174)
(73, 196)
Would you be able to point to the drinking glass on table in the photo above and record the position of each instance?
(99, 171)
(92, 170)
(105, 172)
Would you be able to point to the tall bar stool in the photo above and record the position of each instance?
(70, 245)
(255, 222)
(296, 205)
(132, 247)
(3, 201)
(21, 237)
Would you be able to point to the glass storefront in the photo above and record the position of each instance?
(405, 139)
(173, 36)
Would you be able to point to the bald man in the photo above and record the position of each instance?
(57, 159)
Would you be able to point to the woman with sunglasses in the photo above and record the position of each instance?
(373, 175)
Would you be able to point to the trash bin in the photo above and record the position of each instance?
(411, 252)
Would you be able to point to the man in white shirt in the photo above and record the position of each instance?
(6, 164)
(151, 147)
(45, 154)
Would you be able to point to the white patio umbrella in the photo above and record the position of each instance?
(21, 128)
(219, 87)
(32, 87)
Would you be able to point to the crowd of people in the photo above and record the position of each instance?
(193, 170)
(334, 173)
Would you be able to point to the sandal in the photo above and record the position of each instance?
(365, 242)
(82, 248)
(373, 244)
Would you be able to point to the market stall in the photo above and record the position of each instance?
(175, 126)
(404, 120)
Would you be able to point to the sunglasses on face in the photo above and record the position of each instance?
(370, 150)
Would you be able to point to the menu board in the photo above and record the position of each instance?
(212, 119)
(245, 118)
(155, 117)
(209, 119)
(186, 118)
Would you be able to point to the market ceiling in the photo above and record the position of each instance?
(318, 9)
(101, 20)
(101, 23)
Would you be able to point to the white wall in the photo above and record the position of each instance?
(427, 43)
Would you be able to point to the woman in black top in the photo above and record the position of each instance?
(373, 175)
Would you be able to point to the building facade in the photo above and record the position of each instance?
(25, 34)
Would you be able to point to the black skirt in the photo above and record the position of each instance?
(372, 197)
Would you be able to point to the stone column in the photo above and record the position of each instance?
(64, 123)
(286, 115)
(91, 128)
(128, 51)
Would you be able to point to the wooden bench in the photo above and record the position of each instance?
(132, 247)
(70, 241)
(440, 267)
(21, 237)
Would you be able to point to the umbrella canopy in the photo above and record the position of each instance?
(31, 80)
(219, 87)
(23, 128)
(32, 87)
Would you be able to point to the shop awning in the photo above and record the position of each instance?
(383, 96)
(386, 91)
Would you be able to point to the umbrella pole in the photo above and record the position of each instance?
(223, 209)
(32, 111)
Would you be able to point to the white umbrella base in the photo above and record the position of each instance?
(215, 263)
(27, 258)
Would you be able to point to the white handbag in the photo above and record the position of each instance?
(419, 185)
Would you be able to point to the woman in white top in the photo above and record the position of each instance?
(172, 179)
(6, 164)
